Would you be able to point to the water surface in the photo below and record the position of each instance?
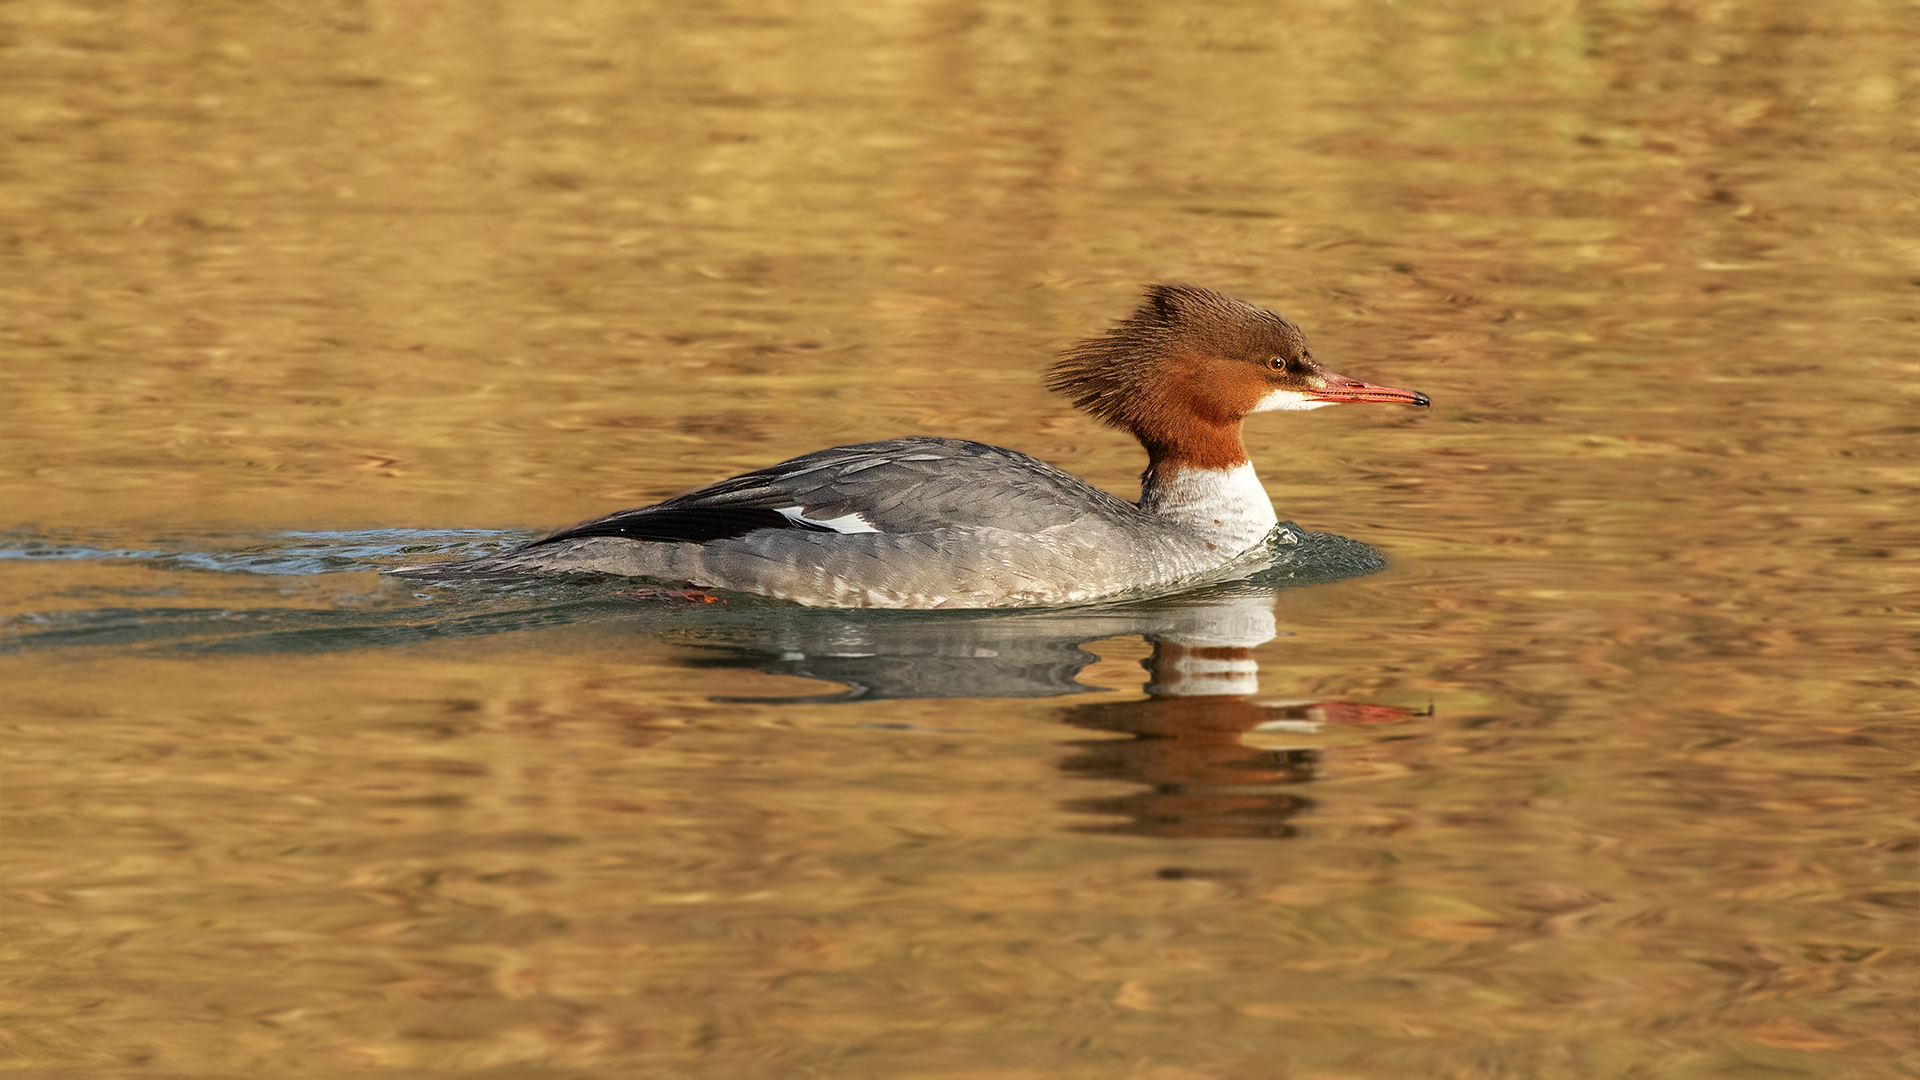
(1607, 770)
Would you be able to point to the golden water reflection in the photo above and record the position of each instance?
(288, 287)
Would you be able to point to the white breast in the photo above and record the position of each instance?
(1226, 507)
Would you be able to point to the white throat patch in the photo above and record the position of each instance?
(1288, 401)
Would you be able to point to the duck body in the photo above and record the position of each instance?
(904, 523)
(947, 523)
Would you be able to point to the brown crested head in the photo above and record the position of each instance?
(1182, 370)
(1180, 334)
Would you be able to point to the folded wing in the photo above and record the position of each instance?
(896, 486)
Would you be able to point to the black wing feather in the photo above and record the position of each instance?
(666, 524)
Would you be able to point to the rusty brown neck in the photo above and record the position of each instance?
(1198, 445)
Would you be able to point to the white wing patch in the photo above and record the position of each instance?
(846, 523)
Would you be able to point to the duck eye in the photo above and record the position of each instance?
(1278, 363)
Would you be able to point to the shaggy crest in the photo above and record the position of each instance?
(1181, 331)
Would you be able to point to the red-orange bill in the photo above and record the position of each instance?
(1341, 388)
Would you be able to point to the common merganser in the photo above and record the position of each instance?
(945, 523)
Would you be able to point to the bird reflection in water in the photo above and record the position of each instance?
(1187, 752)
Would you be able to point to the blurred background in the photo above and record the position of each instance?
(288, 289)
